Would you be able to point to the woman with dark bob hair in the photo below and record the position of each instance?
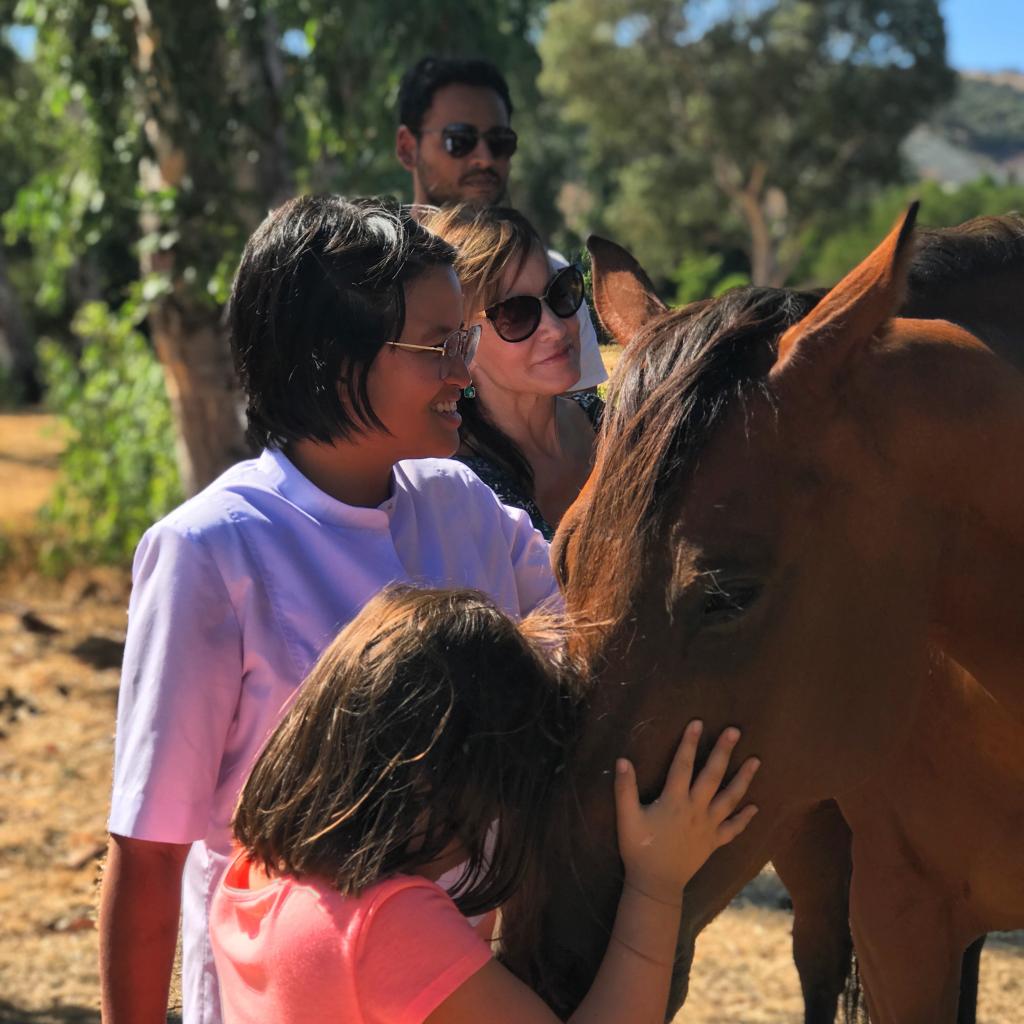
(346, 325)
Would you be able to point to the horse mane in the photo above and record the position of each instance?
(976, 248)
(674, 384)
(672, 388)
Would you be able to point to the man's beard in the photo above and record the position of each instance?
(442, 193)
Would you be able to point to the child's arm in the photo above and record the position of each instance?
(662, 845)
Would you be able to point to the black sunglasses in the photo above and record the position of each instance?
(517, 317)
(460, 139)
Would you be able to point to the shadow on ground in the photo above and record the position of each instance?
(11, 1014)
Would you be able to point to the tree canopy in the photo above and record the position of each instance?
(177, 125)
(740, 123)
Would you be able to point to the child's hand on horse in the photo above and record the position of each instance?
(664, 843)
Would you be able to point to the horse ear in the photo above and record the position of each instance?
(812, 351)
(623, 294)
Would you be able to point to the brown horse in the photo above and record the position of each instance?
(803, 520)
(943, 284)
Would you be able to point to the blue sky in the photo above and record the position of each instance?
(984, 35)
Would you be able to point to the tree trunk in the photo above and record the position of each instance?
(773, 252)
(195, 86)
(746, 196)
(201, 385)
(193, 348)
(17, 354)
(762, 251)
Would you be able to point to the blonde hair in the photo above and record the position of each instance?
(490, 240)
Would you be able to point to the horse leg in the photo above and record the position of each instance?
(681, 973)
(814, 865)
(909, 949)
(969, 976)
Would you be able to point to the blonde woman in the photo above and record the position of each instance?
(521, 434)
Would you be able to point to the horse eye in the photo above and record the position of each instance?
(726, 600)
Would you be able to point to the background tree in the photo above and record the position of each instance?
(741, 123)
(74, 208)
(834, 255)
(191, 120)
(143, 139)
(17, 355)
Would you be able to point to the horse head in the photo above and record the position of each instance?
(764, 543)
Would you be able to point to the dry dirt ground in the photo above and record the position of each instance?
(59, 645)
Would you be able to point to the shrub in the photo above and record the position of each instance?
(703, 276)
(941, 206)
(118, 473)
(10, 392)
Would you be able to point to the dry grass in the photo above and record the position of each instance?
(30, 443)
(57, 722)
(610, 356)
(56, 746)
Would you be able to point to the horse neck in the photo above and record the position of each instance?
(991, 309)
(979, 604)
(956, 433)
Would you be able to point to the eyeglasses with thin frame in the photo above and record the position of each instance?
(460, 140)
(459, 346)
(514, 319)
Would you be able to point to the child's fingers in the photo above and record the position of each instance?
(710, 778)
(729, 798)
(732, 827)
(627, 797)
(680, 772)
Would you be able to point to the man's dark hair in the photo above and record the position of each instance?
(319, 290)
(424, 78)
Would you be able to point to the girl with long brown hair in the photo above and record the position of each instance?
(428, 736)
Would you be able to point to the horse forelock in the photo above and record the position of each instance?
(673, 388)
(978, 247)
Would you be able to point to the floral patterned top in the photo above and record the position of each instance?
(506, 488)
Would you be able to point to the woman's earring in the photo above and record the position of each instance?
(469, 391)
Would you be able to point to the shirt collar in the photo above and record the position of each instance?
(301, 491)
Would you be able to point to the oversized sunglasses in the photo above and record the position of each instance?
(517, 317)
(460, 140)
(457, 347)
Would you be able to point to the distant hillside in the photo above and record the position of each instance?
(979, 132)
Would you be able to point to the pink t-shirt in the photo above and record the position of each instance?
(298, 951)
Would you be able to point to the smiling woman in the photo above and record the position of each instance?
(530, 444)
(413, 380)
(345, 323)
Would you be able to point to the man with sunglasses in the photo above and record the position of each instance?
(455, 136)
(456, 140)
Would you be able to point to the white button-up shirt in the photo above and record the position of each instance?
(235, 594)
